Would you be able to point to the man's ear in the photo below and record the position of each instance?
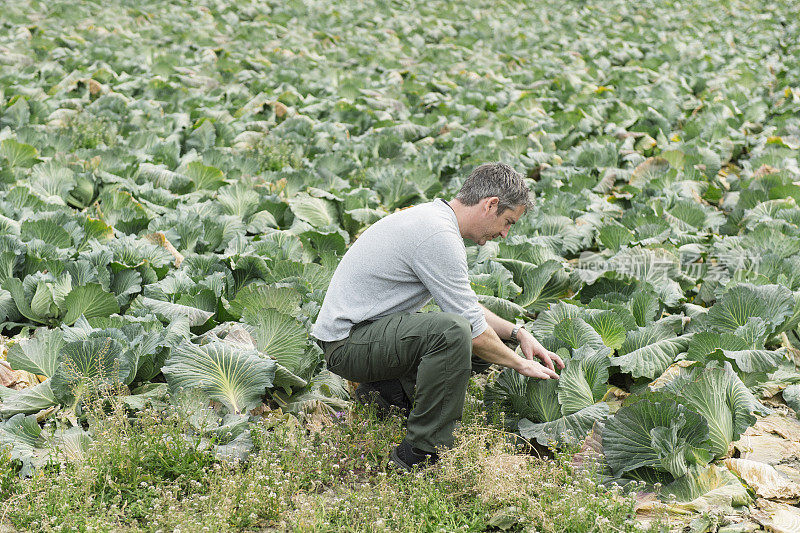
(491, 203)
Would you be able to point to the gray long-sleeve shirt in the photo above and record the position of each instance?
(397, 265)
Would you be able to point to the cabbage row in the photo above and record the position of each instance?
(179, 180)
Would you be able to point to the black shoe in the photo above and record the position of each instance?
(383, 395)
(407, 457)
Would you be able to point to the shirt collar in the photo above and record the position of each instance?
(452, 212)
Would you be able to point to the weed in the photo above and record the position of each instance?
(9, 478)
(91, 131)
(481, 482)
(274, 155)
(130, 465)
(150, 473)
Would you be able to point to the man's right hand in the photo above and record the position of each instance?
(534, 369)
(489, 347)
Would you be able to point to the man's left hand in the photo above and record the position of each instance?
(532, 348)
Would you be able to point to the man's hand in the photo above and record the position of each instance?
(489, 347)
(533, 369)
(532, 348)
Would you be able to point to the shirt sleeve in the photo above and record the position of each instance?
(440, 262)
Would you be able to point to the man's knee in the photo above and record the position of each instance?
(454, 329)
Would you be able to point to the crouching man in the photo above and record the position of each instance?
(371, 331)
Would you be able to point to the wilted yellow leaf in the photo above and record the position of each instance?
(765, 480)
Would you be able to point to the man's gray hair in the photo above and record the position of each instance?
(495, 179)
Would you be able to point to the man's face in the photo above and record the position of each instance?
(493, 225)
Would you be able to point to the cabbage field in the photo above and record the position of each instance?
(179, 179)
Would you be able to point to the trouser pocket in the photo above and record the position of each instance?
(369, 353)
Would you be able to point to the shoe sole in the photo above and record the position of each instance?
(374, 399)
(395, 460)
(382, 408)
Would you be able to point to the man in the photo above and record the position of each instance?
(371, 331)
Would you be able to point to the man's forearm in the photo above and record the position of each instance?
(530, 347)
(489, 347)
(500, 326)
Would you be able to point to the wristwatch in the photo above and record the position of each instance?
(514, 333)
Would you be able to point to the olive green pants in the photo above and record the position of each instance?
(429, 353)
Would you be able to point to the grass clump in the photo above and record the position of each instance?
(532, 493)
(131, 465)
(149, 473)
(274, 154)
(91, 131)
(483, 483)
